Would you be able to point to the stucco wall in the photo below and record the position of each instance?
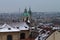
(15, 35)
(57, 35)
(54, 36)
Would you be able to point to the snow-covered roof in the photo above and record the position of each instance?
(32, 27)
(42, 36)
(21, 26)
(1, 26)
(56, 28)
(14, 27)
(40, 23)
(7, 28)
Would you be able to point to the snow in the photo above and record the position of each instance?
(41, 23)
(42, 36)
(54, 28)
(6, 28)
(36, 38)
(32, 27)
(22, 26)
(40, 30)
(0, 26)
(28, 21)
(13, 27)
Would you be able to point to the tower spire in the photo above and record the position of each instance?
(30, 12)
(25, 10)
(26, 15)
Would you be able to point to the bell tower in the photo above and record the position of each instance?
(26, 15)
(30, 12)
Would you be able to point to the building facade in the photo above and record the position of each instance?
(54, 36)
(9, 32)
(23, 35)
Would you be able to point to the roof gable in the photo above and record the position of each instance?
(7, 28)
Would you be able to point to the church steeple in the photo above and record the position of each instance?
(26, 15)
(30, 12)
(25, 10)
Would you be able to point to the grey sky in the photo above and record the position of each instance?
(36, 5)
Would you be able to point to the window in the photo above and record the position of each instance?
(22, 36)
(25, 26)
(9, 28)
(32, 29)
(17, 27)
(9, 37)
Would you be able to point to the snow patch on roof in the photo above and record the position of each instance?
(13, 27)
(7, 28)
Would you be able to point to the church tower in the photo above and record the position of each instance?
(30, 12)
(26, 16)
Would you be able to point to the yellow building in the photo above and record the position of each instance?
(54, 36)
(15, 31)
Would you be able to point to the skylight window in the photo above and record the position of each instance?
(17, 27)
(9, 28)
(25, 26)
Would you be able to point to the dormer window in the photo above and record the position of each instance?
(9, 28)
(25, 26)
(17, 27)
(32, 29)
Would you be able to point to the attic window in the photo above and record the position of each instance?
(39, 37)
(9, 28)
(32, 29)
(25, 26)
(38, 27)
(17, 27)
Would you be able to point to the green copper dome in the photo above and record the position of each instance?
(26, 14)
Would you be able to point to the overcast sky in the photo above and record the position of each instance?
(36, 5)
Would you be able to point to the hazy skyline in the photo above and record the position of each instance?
(9, 6)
